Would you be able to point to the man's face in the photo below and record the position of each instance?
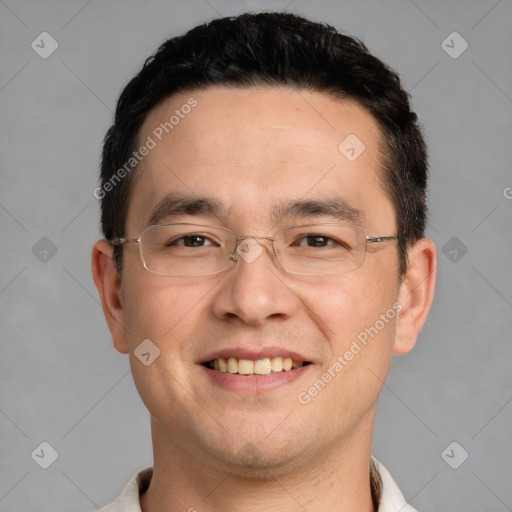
(253, 152)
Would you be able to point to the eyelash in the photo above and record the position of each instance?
(329, 241)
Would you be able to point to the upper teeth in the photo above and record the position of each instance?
(259, 367)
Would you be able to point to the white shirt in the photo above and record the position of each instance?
(391, 499)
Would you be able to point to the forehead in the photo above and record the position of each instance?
(251, 149)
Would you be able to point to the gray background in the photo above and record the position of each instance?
(62, 381)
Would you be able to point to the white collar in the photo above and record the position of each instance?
(391, 499)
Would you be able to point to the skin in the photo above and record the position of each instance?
(314, 456)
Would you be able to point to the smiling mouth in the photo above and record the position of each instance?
(265, 366)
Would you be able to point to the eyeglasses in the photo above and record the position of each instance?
(181, 250)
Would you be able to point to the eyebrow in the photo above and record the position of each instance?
(174, 205)
(336, 207)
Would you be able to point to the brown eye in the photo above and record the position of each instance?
(316, 240)
(190, 241)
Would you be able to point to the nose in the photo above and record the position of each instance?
(248, 248)
(254, 291)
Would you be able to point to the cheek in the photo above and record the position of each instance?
(358, 319)
(164, 309)
(360, 345)
(344, 306)
(167, 313)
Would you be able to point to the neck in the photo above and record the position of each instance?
(338, 479)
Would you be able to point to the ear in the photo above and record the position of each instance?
(416, 294)
(108, 283)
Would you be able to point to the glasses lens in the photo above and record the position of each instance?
(320, 249)
(186, 249)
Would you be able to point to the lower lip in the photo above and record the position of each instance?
(255, 384)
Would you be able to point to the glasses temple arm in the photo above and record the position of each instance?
(377, 239)
(120, 241)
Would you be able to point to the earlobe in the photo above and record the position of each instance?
(416, 294)
(108, 284)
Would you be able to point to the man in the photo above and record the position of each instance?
(263, 205)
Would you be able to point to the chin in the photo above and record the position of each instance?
(257, 459)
